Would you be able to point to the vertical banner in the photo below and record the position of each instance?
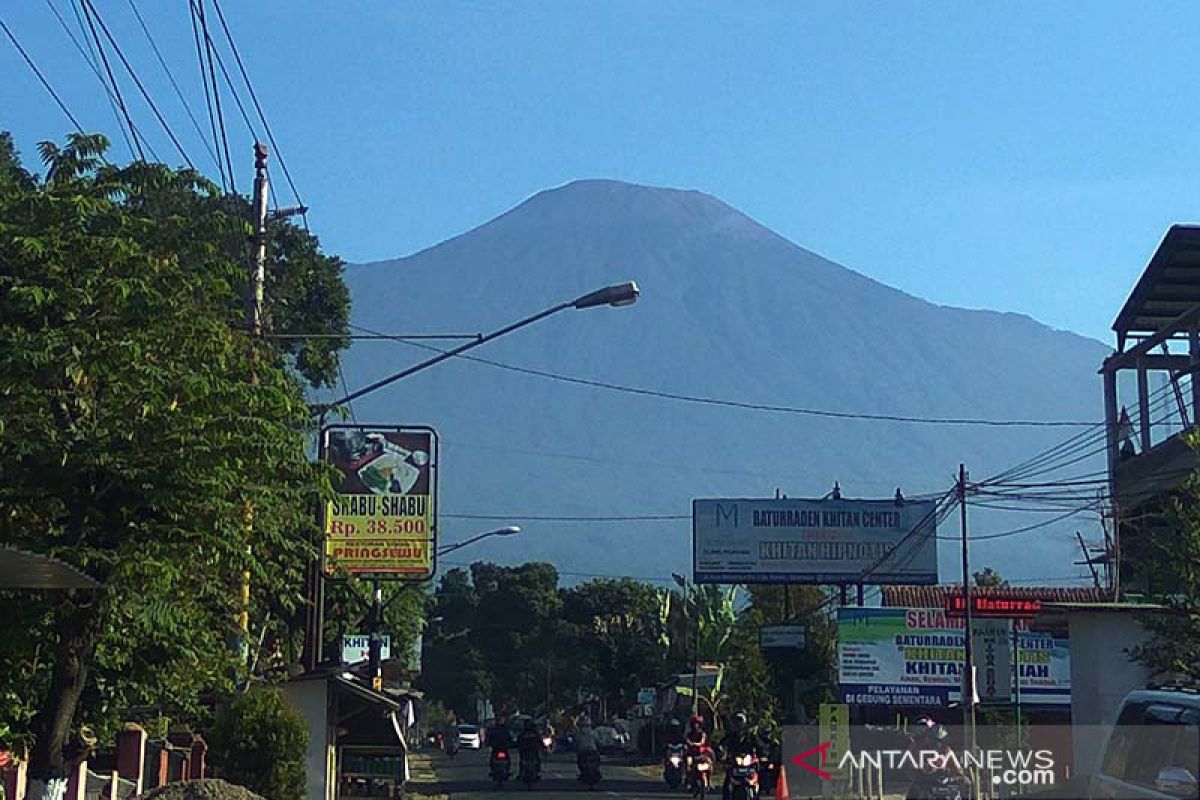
(990, 640)
(382, 521)
(834, 726)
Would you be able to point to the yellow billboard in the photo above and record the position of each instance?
(383, 519)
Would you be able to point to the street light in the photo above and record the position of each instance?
(450, 548)
(683, 584)
(617, 295)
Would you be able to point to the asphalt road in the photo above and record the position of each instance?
(465, 777)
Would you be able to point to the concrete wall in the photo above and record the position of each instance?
(1101, 676)
(312, 699)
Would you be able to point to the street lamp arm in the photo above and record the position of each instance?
(450, 548)
(440, 357)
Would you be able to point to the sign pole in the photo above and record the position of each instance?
(1016, 650)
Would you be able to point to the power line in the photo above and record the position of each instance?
(724, 402)
(137, 82)
(87, 14)
(45, 83)
(579, 518)
(197, 7)
(254, 97)
(212, 119)
(174, 84)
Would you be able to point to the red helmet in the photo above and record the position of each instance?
(696, 720)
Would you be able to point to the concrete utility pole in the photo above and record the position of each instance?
(968, 660)
(254, 322)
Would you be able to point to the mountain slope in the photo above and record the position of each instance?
(729, 309)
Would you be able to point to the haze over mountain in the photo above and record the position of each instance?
(729, 309)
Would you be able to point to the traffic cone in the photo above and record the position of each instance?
(781, 790)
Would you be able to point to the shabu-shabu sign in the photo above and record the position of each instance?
(814, 541)
(383, 520)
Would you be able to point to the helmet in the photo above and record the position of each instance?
(674, 724)
(584, 722)
(530, 724)
(739, 720)
(696, 720)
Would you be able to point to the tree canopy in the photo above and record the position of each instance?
(133, 444)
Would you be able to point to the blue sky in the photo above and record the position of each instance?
(1016, 156)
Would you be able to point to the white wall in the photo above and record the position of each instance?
(1101, 676)
(312, 698)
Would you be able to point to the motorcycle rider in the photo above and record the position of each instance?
(586, 746)
(697, 743)
(530, 745)
(500, 737)
(739, 741)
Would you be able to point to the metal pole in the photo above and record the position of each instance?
(375, 634)
(1016, 648)
(968, 660)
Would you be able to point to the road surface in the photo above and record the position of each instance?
(465, 777)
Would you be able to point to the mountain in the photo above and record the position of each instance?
(729, 309)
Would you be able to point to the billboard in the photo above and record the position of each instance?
(814, 541)
(914, 657)
(382, 521)
(783, 637)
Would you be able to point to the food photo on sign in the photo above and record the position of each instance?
(382, 520)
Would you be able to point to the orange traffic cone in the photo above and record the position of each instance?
(781, 790)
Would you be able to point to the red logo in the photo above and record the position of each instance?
(823, 749)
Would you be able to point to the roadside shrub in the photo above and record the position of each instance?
(258, 741)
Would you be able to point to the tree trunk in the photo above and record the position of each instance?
(79, 628)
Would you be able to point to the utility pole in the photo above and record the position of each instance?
(968, 660)
(254, 322)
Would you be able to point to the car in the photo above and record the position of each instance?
(469, 738)
(1153, 750)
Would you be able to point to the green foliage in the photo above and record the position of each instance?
(800, 679)
(133, 443)
(989, 578)
(259, 742)
(1171, 554)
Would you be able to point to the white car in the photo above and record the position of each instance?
(468, 737)
(1153, 751)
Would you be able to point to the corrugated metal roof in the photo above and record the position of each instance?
(1169, 286)
(935, 596)
(20, 569)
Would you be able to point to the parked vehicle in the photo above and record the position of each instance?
(673, 765)
(1153, 751)
(500, 767)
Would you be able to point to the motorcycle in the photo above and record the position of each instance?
(531, 771)
(700, 774)
(743, 777)
(939, 785)
(451, 745)
(768, 769)
(673, 766)
(499, 767)
(589, 768)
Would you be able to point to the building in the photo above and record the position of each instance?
(1150, 401)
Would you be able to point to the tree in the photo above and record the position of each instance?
(1171, 554)
(801, 679)
(622, 638)
(989, 578)
(133, 445)
(259, 741)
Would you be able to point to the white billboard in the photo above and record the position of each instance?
(814, 541)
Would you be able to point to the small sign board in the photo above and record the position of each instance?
(358, 648)
(646, 697)
(783, 637)
(994, 606)
(834, 725)
(993, 660)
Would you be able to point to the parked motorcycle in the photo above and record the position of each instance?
(673, 765)
(743, 777)
(500, 767)
(589, 768)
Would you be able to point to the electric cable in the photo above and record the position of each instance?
(45, 83)
(86, 6)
